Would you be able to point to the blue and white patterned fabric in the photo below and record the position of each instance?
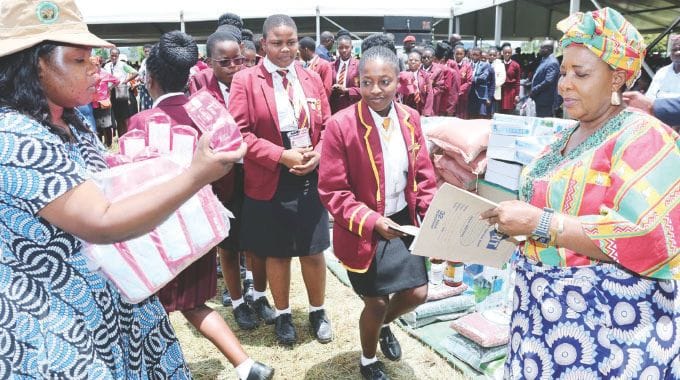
(57, 318)
(592, 322)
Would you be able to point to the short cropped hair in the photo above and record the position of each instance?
(307, 42)
(277, 20)
(217, 37)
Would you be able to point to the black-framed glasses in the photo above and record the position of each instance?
(228, 61)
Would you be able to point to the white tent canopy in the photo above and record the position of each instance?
(132, 11)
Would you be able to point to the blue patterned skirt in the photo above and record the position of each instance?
(592, 322)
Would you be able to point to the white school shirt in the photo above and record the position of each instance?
(395, 159)
(225, 92)
(286, 113)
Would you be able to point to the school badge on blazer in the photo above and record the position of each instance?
(314, 104)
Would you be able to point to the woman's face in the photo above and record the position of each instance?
(226, 60)
(344, 49)
(251, 58)
(459, 54)
(281, 45)
(586, 83)
(68, 76)
(378, 81)
(413, 62)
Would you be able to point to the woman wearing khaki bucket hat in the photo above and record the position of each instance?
(58, 319)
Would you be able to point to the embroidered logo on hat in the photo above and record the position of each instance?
(47, 12)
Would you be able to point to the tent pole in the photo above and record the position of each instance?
(498, 26)
(457, 24)
(318, 25)
(181, 22)
(451, 23)
(574, 6)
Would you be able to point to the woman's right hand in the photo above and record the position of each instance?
(294, 157)
(382, 227)
(209, 166)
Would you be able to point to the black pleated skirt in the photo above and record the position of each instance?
(393, 268)
(292, 224)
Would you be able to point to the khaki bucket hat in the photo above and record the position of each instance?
(24, 24)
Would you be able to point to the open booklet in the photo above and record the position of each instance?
(453, 231)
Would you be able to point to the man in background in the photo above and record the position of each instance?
(544, 83)
(325, 45)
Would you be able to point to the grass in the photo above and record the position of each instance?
(309, 359)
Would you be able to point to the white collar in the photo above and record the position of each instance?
(223, 86)
(391, 115)
(272, 68)
(165, 96)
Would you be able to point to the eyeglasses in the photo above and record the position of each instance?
(228, 61)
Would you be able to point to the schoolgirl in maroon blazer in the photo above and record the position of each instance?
(281, 109)
(345, 90)
(168, 68)
(225, 58)
(375, 174)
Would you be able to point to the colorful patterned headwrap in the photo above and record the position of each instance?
(607, 34)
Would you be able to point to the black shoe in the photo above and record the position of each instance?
(264, 311)
(373, 371)
(321, 326)
(248, 290)
(245, 317)
(285, 331)
(226, 298)
(260, 371)
(389, 345)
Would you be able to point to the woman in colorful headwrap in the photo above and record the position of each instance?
(596, 292)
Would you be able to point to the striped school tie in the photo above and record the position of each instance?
(341, 75)
(301, 113)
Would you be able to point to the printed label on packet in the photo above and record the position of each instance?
(299, 138)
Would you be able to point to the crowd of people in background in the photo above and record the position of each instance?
(437, 78)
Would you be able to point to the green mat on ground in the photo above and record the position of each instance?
(433, 334)
(430, 335)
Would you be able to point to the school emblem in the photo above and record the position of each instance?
(47, 12)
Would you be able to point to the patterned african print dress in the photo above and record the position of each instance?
(578, 318)
(57, 318)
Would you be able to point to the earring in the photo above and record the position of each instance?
(616, 98)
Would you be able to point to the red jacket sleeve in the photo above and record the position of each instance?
(335, 189)
(241, 102)
(326, 74)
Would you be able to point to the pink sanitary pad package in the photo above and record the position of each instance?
(209, 115)
(141, 266)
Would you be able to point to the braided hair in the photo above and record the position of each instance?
(171, 59)
(379, 53)
(230, 19)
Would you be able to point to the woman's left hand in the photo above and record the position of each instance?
(310, 162)
(513, 218)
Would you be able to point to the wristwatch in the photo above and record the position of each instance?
(542, 232)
